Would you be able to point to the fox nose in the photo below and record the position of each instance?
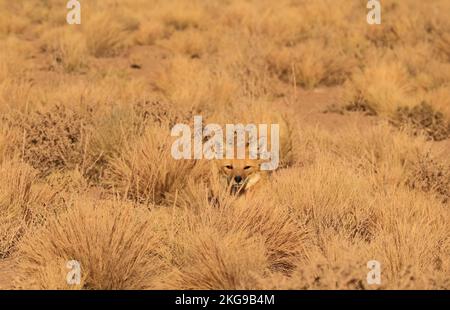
(238, 178)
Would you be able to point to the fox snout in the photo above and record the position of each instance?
(237, 183)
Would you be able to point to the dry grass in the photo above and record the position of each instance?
(53, 140)
(87, 174)
(113, 242)
(311, 63)
(160, 175)
(107, 34)
(67, 47)
(208, 260)
(15, 198)
(23, 203)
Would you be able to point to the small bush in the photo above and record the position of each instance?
(22, 203)
(114, 243)
(68, 49)
(432, 176)
(108, 35)
(423, 119)
(208, 259)
(311, 64)
(145, 171)
(55, 139)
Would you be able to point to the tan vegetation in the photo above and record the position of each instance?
(87, 174)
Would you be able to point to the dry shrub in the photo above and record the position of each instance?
(18, 94)
(414, 236)
(8, 148)
(113, 128)
(443, 45)
(22, 203)
(430, 175)
(121, 123)
(282, 235)
(99, 93)
(380, 87)
(426, 71)
(344, 268)
(145, 171)
(404, 24)
(29, 17)
(192, 43)
(158, 111)
(67, 182)
(383, 36)
(311, 64)
(215, 260)
(328, 197)
(337, 264)
(242, 56)
(114, 243)
(410, 243)
(207, 245)
(396, 83)
(378, 153)
(150, 31)
(68, 49)
(182, 15)
(191, 86)
(11, 22)
(440, 100)
(108, 34)
(15, 197)
(424, 119)
(55, 139)
(14, 59)
(342, 173)
(280, 22)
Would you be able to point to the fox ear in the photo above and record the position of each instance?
(260, 161)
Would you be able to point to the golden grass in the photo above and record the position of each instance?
(87, 174)
(194, 88)
(208, 260)
(68, 48)
(22, 203)
(310, 64)
(108, 34)
(15, 195)
(114, 244)
(160, 175)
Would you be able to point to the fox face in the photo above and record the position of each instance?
(240, 174)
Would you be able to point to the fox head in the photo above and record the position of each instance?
(240, 174)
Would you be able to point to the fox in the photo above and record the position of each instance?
(243, 176)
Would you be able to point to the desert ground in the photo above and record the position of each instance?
(86, 169)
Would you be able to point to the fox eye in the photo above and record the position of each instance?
(229, 166)
(247, 167)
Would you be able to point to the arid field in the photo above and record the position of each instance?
(86, 171)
